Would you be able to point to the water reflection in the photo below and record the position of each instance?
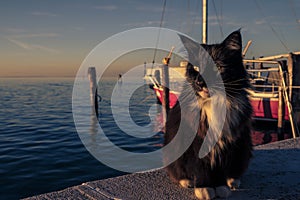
(266, 131)
(93, 130)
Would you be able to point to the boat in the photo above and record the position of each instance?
(265, 92)
(264, 95)
(173, 96)
(154, 77)
(275, 94)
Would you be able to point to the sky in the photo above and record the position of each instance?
(45, 38)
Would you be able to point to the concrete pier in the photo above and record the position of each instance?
(274, 173)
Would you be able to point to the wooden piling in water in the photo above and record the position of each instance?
(93, 90)
(166, 91)
(165, 85)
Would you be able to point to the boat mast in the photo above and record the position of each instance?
(204, 21)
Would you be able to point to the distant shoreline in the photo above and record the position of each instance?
(37, 77)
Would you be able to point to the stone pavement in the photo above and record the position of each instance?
(274, 173)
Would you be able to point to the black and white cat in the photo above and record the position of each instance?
(220, 170)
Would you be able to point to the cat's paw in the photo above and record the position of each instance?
(233, 183)
(205, 193)
(186, 183)
(223, 191)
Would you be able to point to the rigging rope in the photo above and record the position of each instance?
(221, 13)
(294, 13)
(271, 27)
(195, 18)
(157, 39)
(188, 15)
(218, 19)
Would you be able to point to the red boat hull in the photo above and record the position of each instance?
(263, 108)
(172, 96)
(267, 108)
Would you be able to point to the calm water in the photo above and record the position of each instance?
(40, 150)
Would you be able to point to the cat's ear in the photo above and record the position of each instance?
(234, 41)
(192, 48)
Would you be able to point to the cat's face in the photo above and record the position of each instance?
(197, 81)
(228, 63)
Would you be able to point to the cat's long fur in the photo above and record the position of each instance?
(229, 158)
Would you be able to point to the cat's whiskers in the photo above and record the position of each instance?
(235, 82)
(230, 96)
(234, 89)
(229, 89)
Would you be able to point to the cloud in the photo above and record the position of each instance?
(106, 7)
(14, 30)
(46, 14)
(260, 22)
(28, 46)
(16, 36)
(149, 9)
(146, 23)
(35, 35)
(20, 44)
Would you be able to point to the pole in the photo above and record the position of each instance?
(166, 91)
(204, 21)
(93, 90)
(294, 84)
(165, 84)
(280, 119)
(246, 48)
(288, 103)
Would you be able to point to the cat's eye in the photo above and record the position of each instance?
(217, 68)
(198, 83)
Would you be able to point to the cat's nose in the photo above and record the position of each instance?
(204, 92)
